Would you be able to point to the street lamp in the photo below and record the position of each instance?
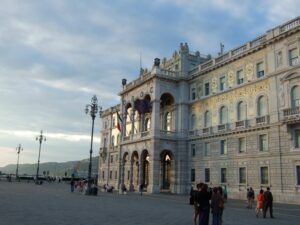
(39, 138)
(92, 109)
(19, 149)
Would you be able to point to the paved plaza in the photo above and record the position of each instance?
(53, 204)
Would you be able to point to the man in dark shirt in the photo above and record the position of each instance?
(268, 202)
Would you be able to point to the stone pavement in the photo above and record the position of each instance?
(53, 204)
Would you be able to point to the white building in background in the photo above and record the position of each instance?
(233, 120)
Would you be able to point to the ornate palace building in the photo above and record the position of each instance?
(233, 121)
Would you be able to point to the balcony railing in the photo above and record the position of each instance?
(145, 133)
(241, 124)
(126, 138)
(207, 130)
(291, 111)
(262, 120)
(222, 127)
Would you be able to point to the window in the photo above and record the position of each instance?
(168, 121)
(241, 111)
(242, 144)
(104, 142)
(264, 175)
(193, 122)
(193, 148)
(242, 175)
(113, 141)
(223, 147)
(295, 96)
(240, 77)
(298, 174)
(147, 124)
(117, 158)
(128, 174)
(293, 57)
(222, 83)
(116, 175)
(111, 158)
(206, 89)
(118, 139)
(103, 175)
(207, 175)
(260, 69)
(193, 93)
(223, 175)
(110, 174)
(297, 138)
(223, 115)
(263, 142)
(206, 148)
(262, 106)
(192, 175)
(207, 119)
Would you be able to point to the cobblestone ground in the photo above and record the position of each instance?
(53, 204)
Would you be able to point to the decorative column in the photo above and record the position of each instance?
(131, 186)
(132, 122)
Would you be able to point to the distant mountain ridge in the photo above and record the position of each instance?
(79, 168)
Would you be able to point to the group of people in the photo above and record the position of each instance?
(264, 202)
(206, 200)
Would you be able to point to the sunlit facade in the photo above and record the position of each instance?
(233, 121)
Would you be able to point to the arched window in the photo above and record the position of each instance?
(241, 111)
(193, 122)
(104, 142)
(118, 139)
(262, 106)
(207, 119)
(295, 96)
(167, 121)
(223, 115)
(147, 124)
(112, 140)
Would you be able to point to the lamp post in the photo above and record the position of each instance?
(39, 138)
(19, 149)
(92, 109)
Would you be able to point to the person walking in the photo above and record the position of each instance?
(72, 183)
(196, 201)
(204, 198)
(250, 198)
(217, 206)
(268, 202)
(260, 202)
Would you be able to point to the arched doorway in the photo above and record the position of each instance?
(167, 112)
(166, 158)
(134, 181)
(126, 168)
(145, 167)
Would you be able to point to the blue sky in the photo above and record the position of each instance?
(56, 54)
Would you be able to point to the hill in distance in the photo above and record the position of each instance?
(79, 168)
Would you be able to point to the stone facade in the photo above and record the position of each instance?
(233, 121)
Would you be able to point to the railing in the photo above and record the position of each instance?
(262, 120)
(239, 50)
(222, 57)
(222, 127)
(145, 133)
(290, 25)
(258, 41)
(241, 124)
(291, 111)
(207, 64)
(207, 130)
(126, 138)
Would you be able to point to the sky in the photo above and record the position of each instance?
(56, 54)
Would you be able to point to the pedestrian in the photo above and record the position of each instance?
(260, 202)
(72, 184)
(268, 203)
(196, 203)
(217, 206)
(141, 189)
(191, 200)
(204, 198)
(250, 197)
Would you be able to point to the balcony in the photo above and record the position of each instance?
(291, 115)
(262, 120)
(207, 130)
(241, 124)
(222, 127)
(126, 138)
(145, 133)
